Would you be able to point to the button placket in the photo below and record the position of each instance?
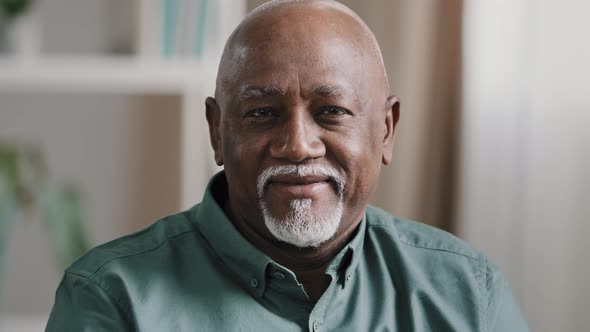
(254, 283)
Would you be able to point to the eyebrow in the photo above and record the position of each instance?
(252, 92)
(326, 91)
(330, 91)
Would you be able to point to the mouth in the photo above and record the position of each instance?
(298, 187)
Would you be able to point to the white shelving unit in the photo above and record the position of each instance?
(192, 81)
(104, 74)
(138, 74)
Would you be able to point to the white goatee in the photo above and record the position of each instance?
(302, 227)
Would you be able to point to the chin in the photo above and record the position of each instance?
(303, 225)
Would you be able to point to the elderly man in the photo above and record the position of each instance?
(283, 239)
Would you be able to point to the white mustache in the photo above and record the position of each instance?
(300, 170)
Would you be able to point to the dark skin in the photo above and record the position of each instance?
(301, 84)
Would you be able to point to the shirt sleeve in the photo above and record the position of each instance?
(504, 313)
(83, 306)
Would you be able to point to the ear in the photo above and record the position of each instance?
(391, 120)
(214, 120)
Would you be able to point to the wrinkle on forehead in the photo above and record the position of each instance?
(298, 24)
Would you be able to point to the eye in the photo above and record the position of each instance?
(332, 111)
(259, 113)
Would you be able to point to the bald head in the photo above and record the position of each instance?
(300, 26)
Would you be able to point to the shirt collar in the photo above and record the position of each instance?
(249, 264)
(347, 260)
(246, 262)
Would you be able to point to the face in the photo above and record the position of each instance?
(301, 135)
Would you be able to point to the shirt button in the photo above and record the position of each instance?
(316, 326)
(348, 277)
(254, 283)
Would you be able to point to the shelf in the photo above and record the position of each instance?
(108, 74)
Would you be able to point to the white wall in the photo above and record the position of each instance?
(122, 151)
(84, 141)
(526, 152)
(123, 154)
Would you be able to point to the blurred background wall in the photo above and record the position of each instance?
(525, 152)
(121, 149)
(492, 143)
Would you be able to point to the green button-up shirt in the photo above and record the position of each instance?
(194, 271)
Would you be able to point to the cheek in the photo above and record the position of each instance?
(244, 151)
(243, 159)
(360, 148)
(360, 156)
(234, 148)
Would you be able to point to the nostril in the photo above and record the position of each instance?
(297, 150)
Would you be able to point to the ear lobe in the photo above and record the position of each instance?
(391, 119)
(214, 120)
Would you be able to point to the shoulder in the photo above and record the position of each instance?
(437, 272)
(417, 235)
(427, 254)
(133, 246)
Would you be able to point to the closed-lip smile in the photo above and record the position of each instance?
(293, 187)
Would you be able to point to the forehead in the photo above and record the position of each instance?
(325, 65)
(301, 49)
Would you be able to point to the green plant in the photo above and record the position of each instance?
(26, 189)
(11, 9)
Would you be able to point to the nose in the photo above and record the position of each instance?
(298, 139)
